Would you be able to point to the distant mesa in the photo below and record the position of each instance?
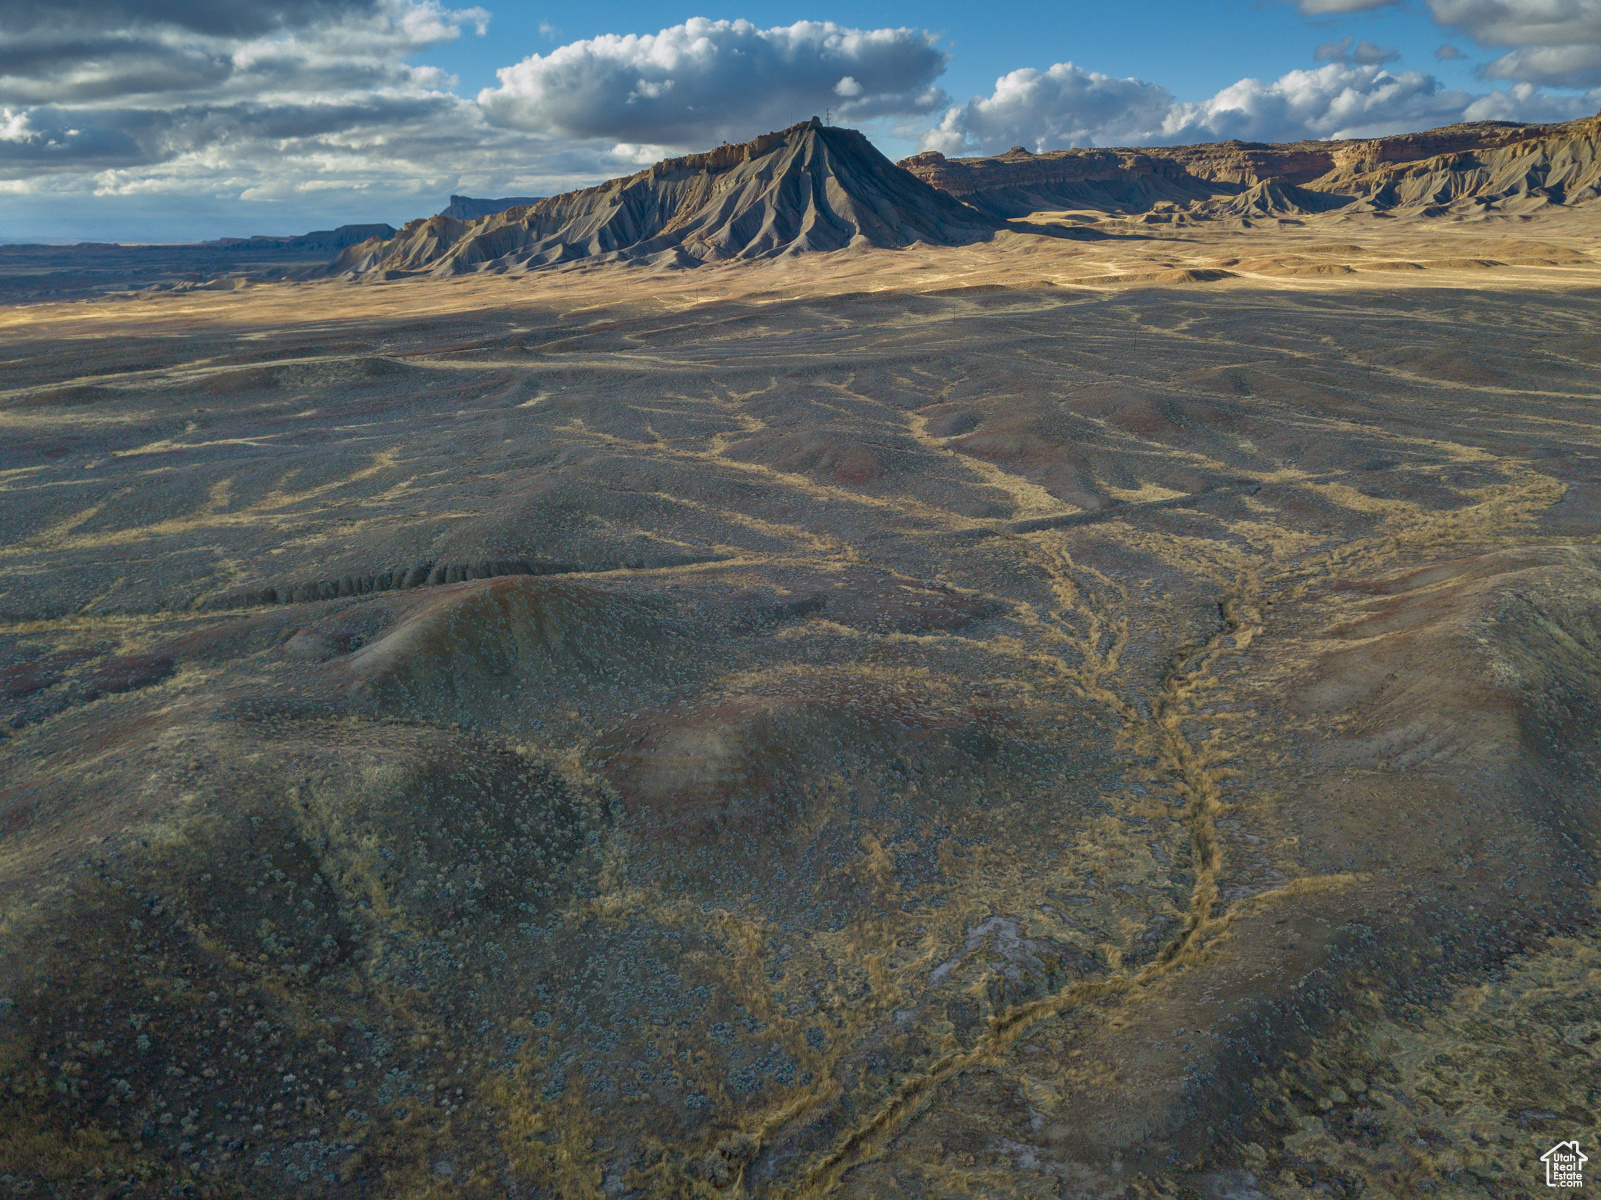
(31, 273)
(805, 188)
(470, 208)
(1454, 171)
(321, 241)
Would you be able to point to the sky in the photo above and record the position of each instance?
(181, 120)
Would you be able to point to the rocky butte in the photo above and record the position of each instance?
(806, 188)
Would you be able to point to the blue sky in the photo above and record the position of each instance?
(170, 120)
(1195, 47)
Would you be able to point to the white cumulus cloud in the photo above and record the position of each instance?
(1551, 42)
(276, 100)
(1068, 106)
(704, 80)
(322, 105)
(1335, 101)
(1063, 106)
(16, 126)
(1556, 43)
(1522, 22)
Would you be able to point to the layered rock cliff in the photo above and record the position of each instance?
(1557, 165)
(1448, 169)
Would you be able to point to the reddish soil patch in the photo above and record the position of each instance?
(880, 605)
(744, 765)
(26, 678)
(15, 819)
(129, 672)
(839, 458)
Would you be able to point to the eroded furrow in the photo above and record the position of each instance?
(1089, 636)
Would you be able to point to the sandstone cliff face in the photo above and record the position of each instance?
(1559, 165)
(808, 187)
(1492, 161)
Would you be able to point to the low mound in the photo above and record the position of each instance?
(1194, 275)
(1292, 265)
(1174, 275)
(1270, 198)
(461, 648)
(1466, 660)
(809, 187)
(750, 764)
(591, 517)
(832, 455)
(875, 603)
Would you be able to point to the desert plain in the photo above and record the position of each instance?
(1108, 709)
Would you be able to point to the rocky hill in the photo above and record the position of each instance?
(1456, 169)
(808, 187)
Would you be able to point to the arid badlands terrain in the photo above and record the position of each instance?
(791, 677)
